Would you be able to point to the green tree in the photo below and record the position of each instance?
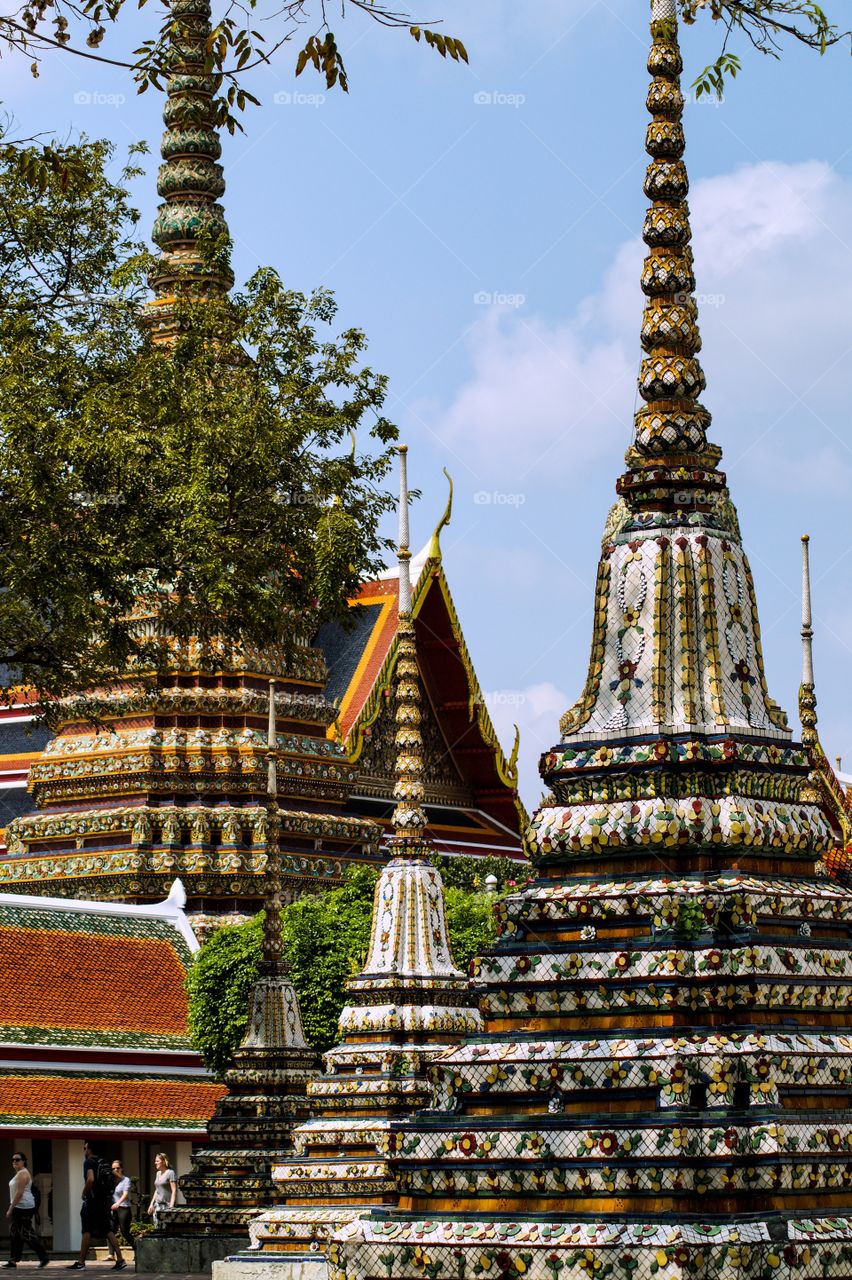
(765, 25)
(471, 924)
(218, 986)
(325, 937)
(215, 481)
(472, 872)
(244, 36)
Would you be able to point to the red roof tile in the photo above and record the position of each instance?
(75, 975)
(127, 1102)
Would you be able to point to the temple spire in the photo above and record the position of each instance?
(670, 433)
(676, 646)
(409, 818)
(807, 694)
(190, 180)
(273, 963)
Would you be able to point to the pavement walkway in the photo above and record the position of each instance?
(96, 1270)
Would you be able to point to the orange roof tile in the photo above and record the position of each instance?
(375, 652)
(73, 976)
(130, 984)
(127, 1102)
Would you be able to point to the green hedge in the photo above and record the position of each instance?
(325, 938)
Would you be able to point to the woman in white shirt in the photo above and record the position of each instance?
(122, 1214)
(165, 1188)
(21, 1211)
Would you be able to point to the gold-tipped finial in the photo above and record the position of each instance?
(435, 541)
(807, 695)
(409, 818)
(273, 963)
(671, 464)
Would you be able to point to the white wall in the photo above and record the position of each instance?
(67, 1191)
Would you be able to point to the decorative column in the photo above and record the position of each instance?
(407, 1006)
(807, 693)
(190, 229)
(252, 1128)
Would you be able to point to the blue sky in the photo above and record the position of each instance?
(481, 225)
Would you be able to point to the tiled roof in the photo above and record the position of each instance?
(105, 1101)
(367, 655)
(343, 646)
(355, 657)
(89, 974)
(360, 659)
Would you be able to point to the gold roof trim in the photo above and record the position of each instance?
(433, 572)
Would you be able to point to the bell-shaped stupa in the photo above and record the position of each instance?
(143, 782)
(408, 1005)
(663, 1089)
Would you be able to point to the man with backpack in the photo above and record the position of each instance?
(96, 1209)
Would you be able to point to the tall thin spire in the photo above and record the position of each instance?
(190, 179)
(670, 433)
(807, 693)
(273, 963)
(676, 645)
(409, 818)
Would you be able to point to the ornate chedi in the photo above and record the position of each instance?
(664, 1086)
(251, 1129)
(142, 784)
(407, 1005)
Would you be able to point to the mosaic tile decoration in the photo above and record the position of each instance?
(662, 1089)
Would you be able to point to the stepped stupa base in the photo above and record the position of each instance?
(176, 1254)
(758, 1247)
(231, 1179)
(290, 1243)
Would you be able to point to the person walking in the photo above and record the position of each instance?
(165, 1188)
(21, 1211)
(121, 1211)
(96, 1209)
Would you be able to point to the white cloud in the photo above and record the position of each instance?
(544, 402)
(759, 209)
(536, 711)
(537, 394)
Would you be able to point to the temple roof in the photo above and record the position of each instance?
(485, 814)
(362, 660)
(94, 1018)
(64, 1100)
(63, 966)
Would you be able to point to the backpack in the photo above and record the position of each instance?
(104, 1181)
